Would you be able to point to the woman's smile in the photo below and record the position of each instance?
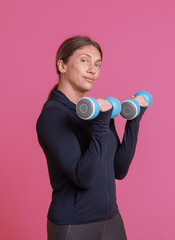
(92, 80)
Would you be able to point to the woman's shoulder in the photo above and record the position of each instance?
(53, 112)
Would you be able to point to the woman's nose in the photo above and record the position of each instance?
(91, 69)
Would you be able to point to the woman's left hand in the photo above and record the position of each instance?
(140, 99)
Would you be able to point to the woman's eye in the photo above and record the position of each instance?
(83, 60)
(97, 65)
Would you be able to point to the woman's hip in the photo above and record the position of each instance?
(110, 229)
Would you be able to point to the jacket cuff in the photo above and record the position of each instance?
(100, 124)
(139, 117)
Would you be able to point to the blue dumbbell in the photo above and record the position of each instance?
(88, 107)
(130, 108)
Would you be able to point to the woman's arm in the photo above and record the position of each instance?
(56, 130)
(126, 149)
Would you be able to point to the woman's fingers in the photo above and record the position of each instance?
(104, 105)
(140, 99)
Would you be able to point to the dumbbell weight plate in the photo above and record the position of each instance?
(129, 109)
(85, 108)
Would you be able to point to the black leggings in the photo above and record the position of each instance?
(111, 229)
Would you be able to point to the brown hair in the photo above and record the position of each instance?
(69, 46)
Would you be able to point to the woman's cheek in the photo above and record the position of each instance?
(98, 73)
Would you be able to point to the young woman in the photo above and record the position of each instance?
(84, 157)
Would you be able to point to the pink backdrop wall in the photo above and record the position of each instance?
(138, 42)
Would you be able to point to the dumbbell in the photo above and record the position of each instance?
(130, 108)
(88, 107)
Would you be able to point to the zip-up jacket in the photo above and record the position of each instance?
(84, 157)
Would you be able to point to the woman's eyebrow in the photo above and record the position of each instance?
(89, 56)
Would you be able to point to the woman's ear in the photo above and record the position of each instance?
(61, 66)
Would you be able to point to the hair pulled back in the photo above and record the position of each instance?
(69, 46)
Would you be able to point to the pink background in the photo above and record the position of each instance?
(138, 42)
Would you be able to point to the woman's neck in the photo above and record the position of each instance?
(72, 94)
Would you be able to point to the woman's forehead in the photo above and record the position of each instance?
(89, 51)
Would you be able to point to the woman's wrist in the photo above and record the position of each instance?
(139, 117)
(100, 124)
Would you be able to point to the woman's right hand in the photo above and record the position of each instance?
(104, 105)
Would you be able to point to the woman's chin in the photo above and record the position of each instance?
(89, 88)
(90, 85)
(86, 87)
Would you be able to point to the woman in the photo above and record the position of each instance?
(84, 157)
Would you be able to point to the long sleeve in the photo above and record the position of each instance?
(126, 150)
(56, 133)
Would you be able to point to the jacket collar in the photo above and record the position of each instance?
(59, 96)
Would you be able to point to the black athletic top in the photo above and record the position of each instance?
(84, 158)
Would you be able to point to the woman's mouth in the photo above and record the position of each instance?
(89, 79)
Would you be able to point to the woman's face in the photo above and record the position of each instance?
(83, 68)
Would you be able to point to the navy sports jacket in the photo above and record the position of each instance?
(84, 158)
